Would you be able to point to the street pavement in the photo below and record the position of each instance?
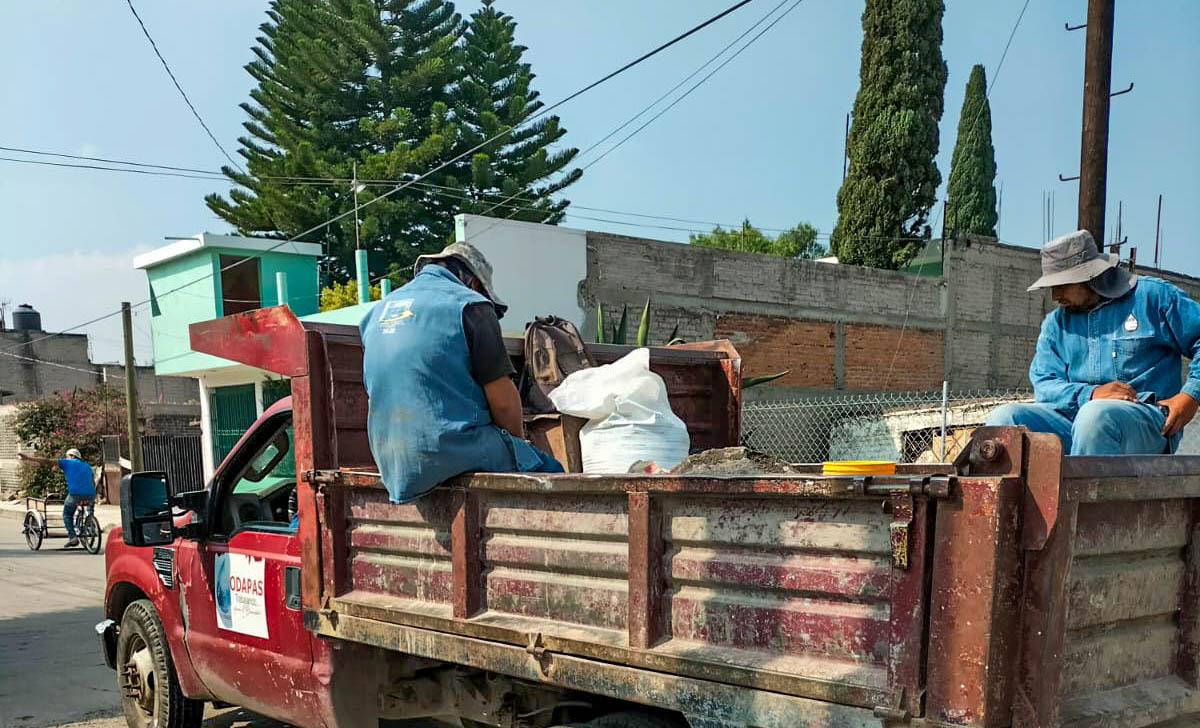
(51, 670)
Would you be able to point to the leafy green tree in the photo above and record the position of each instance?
(340, 295)
(495, 94)
(971, 191)
(374, 88)
(884, 203)
(796, 242)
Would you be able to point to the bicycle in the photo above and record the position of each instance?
(43, 513)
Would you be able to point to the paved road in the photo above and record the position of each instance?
(51, 671)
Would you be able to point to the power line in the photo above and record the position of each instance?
(684, 80)
(655, 102)
(93, 372)
(697, 85)
(175, 81)
(690, 90)
(299, 180)
(107, 169)
(443, 165)
(108, 161)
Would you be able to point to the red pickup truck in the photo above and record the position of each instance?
(1013, 587)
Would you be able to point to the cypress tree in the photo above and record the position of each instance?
(884, 203)
(495, 94)
(971, 191)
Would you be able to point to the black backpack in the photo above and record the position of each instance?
(553, 350)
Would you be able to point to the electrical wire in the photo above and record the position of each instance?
(698, 84)
(93, 372)
(108, 169)
(686, 93)
(108, 161)
(354, 211)
(179, 88)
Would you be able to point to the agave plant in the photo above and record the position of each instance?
(618, 336)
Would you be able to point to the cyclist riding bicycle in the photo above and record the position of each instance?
(81, 489)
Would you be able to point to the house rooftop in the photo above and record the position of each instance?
(186, 246)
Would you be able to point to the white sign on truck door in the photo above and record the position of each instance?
(241, 597)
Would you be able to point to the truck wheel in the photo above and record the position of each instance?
(150, 694)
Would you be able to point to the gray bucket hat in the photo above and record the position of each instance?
(1073, 258)
(474, 260)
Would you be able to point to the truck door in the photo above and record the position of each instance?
(241, 584)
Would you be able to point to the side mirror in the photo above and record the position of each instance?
(146, 518)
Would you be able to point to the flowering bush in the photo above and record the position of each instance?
(58, 422)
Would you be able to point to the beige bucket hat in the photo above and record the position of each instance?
(474, 260)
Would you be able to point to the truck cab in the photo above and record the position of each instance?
(223, 579)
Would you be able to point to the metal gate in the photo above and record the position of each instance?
(233, 411)
(177, 456)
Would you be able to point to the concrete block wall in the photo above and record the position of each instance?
(830, 325)
(837, 328)
(9, 465)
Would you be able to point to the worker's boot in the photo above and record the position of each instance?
(71, 543)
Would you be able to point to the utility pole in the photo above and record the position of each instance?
(131, 397)
(1093, 148)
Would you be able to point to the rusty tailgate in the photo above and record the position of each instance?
(809, 586)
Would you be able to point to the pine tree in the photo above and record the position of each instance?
(514, 175)
(346, 87)
(971, 191)
(884, 203)
(387, 89)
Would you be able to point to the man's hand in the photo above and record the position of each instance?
(1115, 390)
(1180, 410)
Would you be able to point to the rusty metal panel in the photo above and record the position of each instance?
(1188, 656)
(1124, 595)
(695, 698)
(401, 551)
(807, 580)
(535, 579)
(646, 580)
(975, 604)
(466, 553)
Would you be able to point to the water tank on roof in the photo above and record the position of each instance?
(25, 318)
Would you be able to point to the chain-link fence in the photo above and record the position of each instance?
(902, 427)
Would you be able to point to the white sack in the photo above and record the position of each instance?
(629, 416)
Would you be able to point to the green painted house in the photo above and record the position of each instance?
(209, 276)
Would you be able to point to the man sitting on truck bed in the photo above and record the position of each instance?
(439, 379)
(1107, 371)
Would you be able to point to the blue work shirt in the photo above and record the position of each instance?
(1137, 339)
(427, 418)
(79, 478)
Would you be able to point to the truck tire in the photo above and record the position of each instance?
(150, 694)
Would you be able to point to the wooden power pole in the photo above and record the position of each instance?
(131, 396)
(1097, 86)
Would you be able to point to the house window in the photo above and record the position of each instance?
(240, 289)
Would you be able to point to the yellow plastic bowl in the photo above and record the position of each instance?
(859, 467)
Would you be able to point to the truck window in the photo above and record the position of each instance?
(260, 490)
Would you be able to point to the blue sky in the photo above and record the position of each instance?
(762, 139)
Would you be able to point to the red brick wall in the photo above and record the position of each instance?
(919, 365)
(769, 345)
